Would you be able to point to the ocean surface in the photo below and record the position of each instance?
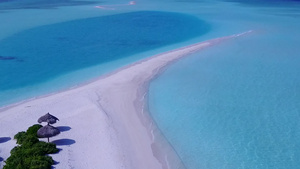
(234, 105)
(41, 54)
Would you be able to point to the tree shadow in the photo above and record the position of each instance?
(59, 150)
(64, 142)
(4, 139)
(63, 128)
(55, 163)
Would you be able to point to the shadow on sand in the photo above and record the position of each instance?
(55, 163)
(4, 139)
(64, 142)
(63, 128)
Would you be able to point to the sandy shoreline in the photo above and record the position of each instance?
(106, 124)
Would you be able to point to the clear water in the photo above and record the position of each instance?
(236, 105)
(232, 106)
(40, 4)
(43, 53)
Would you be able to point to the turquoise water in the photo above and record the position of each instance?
(236, 105)
(40, 4)
(43, 53)
(232, 106)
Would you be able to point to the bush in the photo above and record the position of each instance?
(30, 141)
(48, 148)
(20, 137)
(29, 135)
(33, 130)
(39, 162)
(30, 153)
(14, 162)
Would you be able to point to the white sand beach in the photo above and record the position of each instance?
(104, 123)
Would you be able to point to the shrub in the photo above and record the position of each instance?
(14, 162)
(33, 130)
(48, 148)
(39, 162)
(29, 135)
(29, 141)
(20, 137)
(30, 153)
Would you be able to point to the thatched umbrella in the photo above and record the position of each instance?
(47, 131)
(50, 119)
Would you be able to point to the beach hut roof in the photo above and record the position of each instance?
(48, 131)
(48, 118)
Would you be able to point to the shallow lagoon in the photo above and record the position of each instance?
(231, 106)
(236, 105)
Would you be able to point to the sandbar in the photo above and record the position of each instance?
(105, 123)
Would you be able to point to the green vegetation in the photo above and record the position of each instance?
(30, 153)
(33, 130)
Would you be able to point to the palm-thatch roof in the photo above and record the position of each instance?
(48, 131)
(50, 119)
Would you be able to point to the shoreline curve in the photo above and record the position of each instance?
(108, 118)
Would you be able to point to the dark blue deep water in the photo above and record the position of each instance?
(267, 3)
(40, 4)
(42, 53)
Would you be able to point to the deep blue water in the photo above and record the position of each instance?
(291, 4)
(266, 3)
(40, 4)
(42, 53)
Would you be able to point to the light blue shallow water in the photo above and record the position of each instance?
(236, 105)
(232, 106)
